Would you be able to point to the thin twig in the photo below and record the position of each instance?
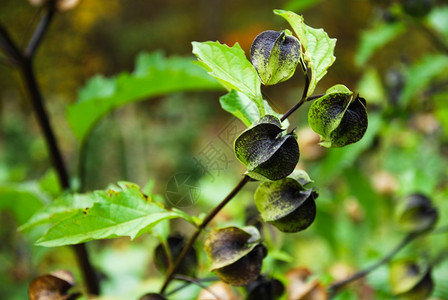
(30, 26)
(197, 282)
(172, 271)
(40, 31)
(9, 47)
(335, 287)
(181, 287)
(24, 61)
(301, 101)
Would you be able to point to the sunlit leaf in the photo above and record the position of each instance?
(438, 19)
(121, 211)
(318, 47)
(246, 110)
(154, 75)
(59, 209)
(230, 66)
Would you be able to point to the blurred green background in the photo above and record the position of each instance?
(381, 52)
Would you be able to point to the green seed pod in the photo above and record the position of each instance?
(417, 214)
(267, 153)
(286, 204)
(236, 254)
(275, 56)
(339, 118)
(410, 281)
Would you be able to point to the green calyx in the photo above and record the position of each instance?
(275, 56)
(417, 214)
(266, 151)
(236, 254)
(286, 204)
(339, 118)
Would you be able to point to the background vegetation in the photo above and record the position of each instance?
(397, 61)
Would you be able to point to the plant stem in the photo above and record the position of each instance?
(197, 282)
(301, 101)
(39, 32)
(172, 271)
(335, 287)
(24, 61)
(188, 283)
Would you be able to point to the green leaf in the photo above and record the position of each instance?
(286, 204)
(121, 211)
(371, 88)
(319, 48)
(22, 200)
(63, 207)
(421, 74)
(438, 19)
(240, 106)
(230, 66)
(154, 75)
(246, 110)
(267, 154)
(375, 38)
(300, 5)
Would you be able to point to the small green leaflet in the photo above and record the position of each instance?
(121, 211)
(246, 110)
(319, 48)
(154, 75)
(231, 68)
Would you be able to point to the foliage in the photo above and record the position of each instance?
(383, 179)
